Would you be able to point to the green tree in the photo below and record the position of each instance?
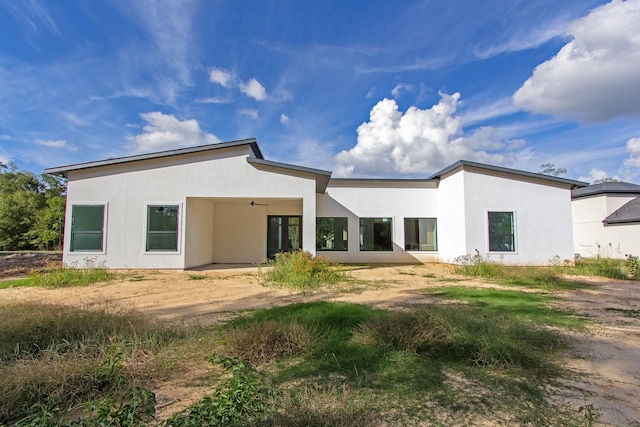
(48, 229)
(31, 209)
(551, 169)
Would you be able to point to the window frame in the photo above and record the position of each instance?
(361, 237)
(103, 249)
(514, 234)
(435, 234)
(178, 232)
(346, 241)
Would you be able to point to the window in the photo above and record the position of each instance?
(87, 228)
(162, 228)
(331, 234)
(375, 234)
(420, 234)
(501, 232)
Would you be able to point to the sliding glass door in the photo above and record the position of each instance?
(284, 234)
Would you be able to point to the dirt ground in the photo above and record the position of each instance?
(609, 353)
(21, 263)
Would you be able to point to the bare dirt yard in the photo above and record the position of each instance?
(607, 355)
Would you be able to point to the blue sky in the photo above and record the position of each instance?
(362, 88)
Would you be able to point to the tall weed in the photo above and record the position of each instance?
(301, 271)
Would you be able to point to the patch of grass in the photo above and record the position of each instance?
(301, 271)
(315, 406)
(478, 266)
(405, 357)
(59, 276)
(16, 283)
(600, 267)
(69, 355)
(527, 306)
(546, 278)
(197, 277)
(268, 340)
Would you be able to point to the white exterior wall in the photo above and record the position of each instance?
(379, 200)
(452, 217)
(542, 212)
(194, 182)
(592, 238)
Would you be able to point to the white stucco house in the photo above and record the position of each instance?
(224, 203)
(606, 220)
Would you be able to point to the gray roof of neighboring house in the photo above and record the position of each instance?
(463, 163)
(629, 212)
(64, 170)
(606, 188)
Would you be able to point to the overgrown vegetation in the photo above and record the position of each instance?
(492, 356)
(548, 278)
(54, 359)
(301, 271)
(57, 275)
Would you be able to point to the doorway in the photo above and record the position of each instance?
(284, 234)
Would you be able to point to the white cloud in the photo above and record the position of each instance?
(370, 93)
(633, 148)
(597, 175)
(254, 89)
(165, 131)
(418, 142)
(595, 76)
(284, 119)
(400, 88)
(4, 136)
(211, 100)
(60, 143)
(221, 76)
(251, 113)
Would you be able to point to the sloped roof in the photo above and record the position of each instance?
(64, 170)
(629, 212)
(606, 188)
(524, 174)
(322, 177)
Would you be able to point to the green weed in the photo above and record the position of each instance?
(301, 271)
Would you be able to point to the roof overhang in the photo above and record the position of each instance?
(321, 176)
(467, 165)
(64, 170)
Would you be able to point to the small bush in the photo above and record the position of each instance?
(300, 270)
(634, 266)
(265, 341)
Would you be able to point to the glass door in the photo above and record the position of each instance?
(284, 234)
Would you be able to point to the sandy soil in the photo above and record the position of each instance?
(609, 353)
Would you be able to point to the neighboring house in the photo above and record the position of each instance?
(606, 220)
(224, 203)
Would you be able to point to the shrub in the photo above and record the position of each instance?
(634, 266)
(300, 270)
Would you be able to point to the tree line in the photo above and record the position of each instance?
(31, 209)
